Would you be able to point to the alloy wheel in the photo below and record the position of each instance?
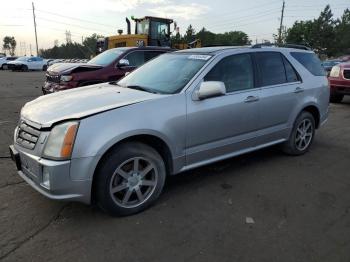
(133, 182)
(304, 134)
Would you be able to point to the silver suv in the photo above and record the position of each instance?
(115, 143)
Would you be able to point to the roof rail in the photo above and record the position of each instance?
(303, 47)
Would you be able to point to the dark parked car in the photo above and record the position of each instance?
(111, 65)
(339, 80)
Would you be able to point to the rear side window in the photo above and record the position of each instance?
(235, 71)
(271, 68)
(310, 61)
(291, 74)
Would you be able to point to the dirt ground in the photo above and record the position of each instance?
(300, 205)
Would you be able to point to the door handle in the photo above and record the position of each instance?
(251, 99)
(298, 90)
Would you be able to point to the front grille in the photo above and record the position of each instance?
(52, 78)
(27, 136)
(346, 73)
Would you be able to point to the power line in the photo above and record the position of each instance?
(74, 18)
(72, 25)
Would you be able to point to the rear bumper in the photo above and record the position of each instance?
(34, 169)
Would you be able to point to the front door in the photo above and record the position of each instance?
(222, 126)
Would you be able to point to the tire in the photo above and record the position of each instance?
(134, 190)
(336, 98)
(4, 67)
(302, 135)
(44, 67)
(24, 68)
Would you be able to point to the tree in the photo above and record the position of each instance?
(9, 44)
(89, 44)
(190, 33)
(320, 33)
(343, 34)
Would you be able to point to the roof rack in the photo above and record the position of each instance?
(303, 47)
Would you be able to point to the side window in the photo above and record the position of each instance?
(235, 71)
(151, 54)
(291, 74)
(310, 61)
(136, 58)
(271, 68)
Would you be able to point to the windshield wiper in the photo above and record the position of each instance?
(142, 88)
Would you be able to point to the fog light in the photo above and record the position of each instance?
(46, 178)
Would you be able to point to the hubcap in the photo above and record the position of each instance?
(304, 134)
(133, 182)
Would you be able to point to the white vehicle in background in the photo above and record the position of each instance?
(4, 60)
(26, 63)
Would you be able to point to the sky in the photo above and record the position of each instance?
(259, 19)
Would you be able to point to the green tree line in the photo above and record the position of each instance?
(73, 50)
(326, 35)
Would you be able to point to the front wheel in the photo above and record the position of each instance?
(130, 178)
(302, 135)
(44, 67)
(24, 68)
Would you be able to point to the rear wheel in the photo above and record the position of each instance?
(130, 178)
(336, 98)
(44, 67)
(302, 135)
(24, 68)
(4, 67)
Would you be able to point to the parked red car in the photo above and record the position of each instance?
(110, 65)
(339, 80)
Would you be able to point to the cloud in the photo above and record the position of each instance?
(125, 5)
(183, 11)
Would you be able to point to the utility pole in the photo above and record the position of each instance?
(281, 25)
(36, 36)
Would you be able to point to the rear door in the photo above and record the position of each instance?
(280, 90)
(220, 126)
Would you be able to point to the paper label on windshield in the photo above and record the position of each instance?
(199, 57)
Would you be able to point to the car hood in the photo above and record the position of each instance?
(66, 68)
(80, 102)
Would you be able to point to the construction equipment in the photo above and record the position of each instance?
(149, 31)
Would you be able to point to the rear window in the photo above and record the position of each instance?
(311, 62)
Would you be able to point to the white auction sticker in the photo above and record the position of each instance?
(200, 57)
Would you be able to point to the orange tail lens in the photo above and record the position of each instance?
(68, 141)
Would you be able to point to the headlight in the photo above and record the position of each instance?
(335, 72)
(66, 78)
(61, 141)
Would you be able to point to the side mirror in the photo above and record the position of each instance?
(210, 89)
(123, 62)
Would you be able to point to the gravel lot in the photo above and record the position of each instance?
(300, 205)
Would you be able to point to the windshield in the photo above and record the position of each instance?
(106, 57)
(22, 58)
(143, 27)
(166, 74)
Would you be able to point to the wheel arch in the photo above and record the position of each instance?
(151, 140)
(315, 112)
